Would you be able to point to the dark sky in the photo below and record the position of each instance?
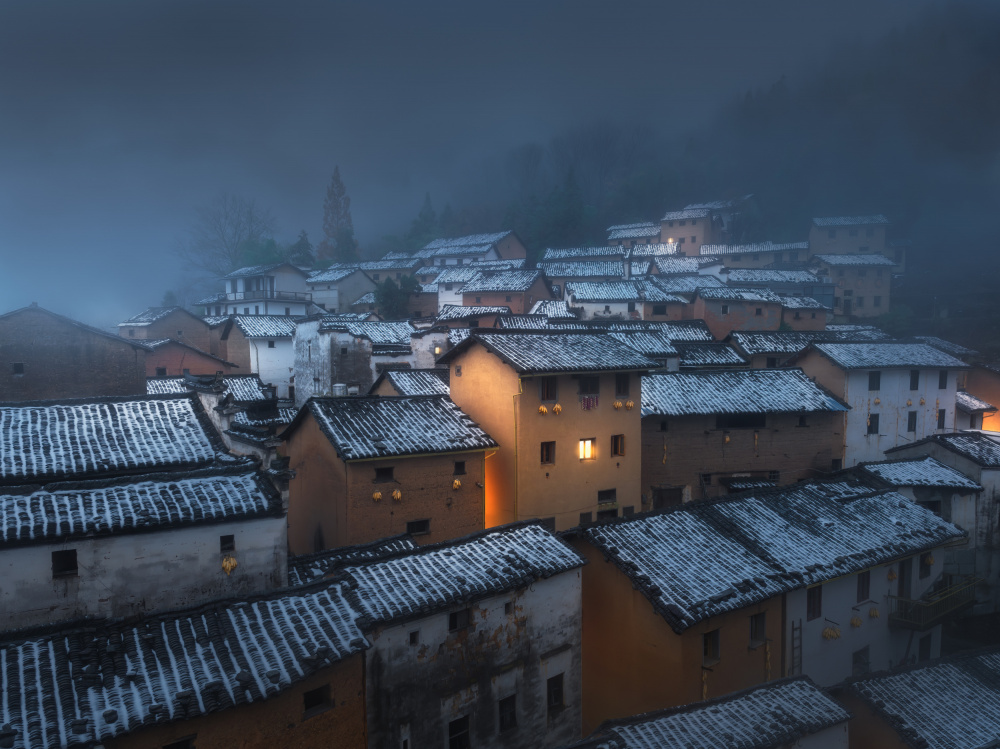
(118, 119)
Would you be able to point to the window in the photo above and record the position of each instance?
(586, 517)
(836, 464)
(617, 445)
(549, 453)
(814, 602)
(256, 309)
(710, 648)
(758, 629)
(607, 496)
(316, 701)
(759, 311)
(860, 662)
(803, 421)
(227, 544)
(706, 479)
(774, 476)
(418, 527)
(459, 468)
(508, 713)
(415, 637)
(943, 379)
(680, 241)
(590, 385)
(288, 310)
(508, 608)
(914, 379)
(554, 693)
(18, 368)
(940, 424)
(449, 286)
(64, 563)
(587, 451)
(383, 474)
(270, 344)
(859, 302)
(911, 421)
(872, 423)
(458, 733)
(659, 309)
(621, 385)
(740, 421)
(694, 239)
(874, 380)
(458, 620)
(131, 332)
(772, 362)
(458, 370)
(479, 300)
(725, 309)
(682, 222)
(663, 425)
(246, 310)
(186, 743)
(603, 515)
(926, 562)
(547, 388)
(628, 512)
(507, 298)
(864, 586)
(877, 301)
(161, 371)
(924, 648)
(474, 322)
(343, 350)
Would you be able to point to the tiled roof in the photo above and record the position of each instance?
(679, 330)
(266, 326)
(729, 392)
(457, 335)
(729, 293)
(706, 558)
(463, 312)
(418, 381)
(686, 284)
(865, 259)
(149, 316)
(772, 716)
(51, 440)
(401, 264)
(580, 253)
(373, 427)
(737, 276)
(331, 275)
(553, 309)
(470, 239)
(213, 320)
(920, 472)
(308, 568)
(606, 291)
(629, 231)
(434, 577)
(977, 447)
(558, 352)
(165, 385)
(947, 346)
(377, 332)
(662, 249)
(34, 308)
(953, 703)
(142, 503)
(651, 343)
(256, 270)
(801, 302)
(884, 354)
(257, 419)
(243, 388)
(877, 218)
(720, 205)
(697, 354)
(738, 249)
(79, 687)
(507, 280)
(685, 214)
(682, 266)
(791, 342)
(457, 274)
(368, 298)
(516, 263)
(970, 403)
(582, 269)
(522, 322)
(217, 297)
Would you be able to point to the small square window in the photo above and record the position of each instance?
(710, 648)
(508, 713)
(864, 586)
(554, 693)
(588, 449)
(803, 420)
(161, 371)
(774, 476)
(547, 388)
(814, 602)
(860, 662)
(64, 563)
(418, 527)
(415, 637)
(458, 620)
(227, 544)
(507, 298)
(628, 512)
(473, 322)
(758, 629)
(725, 309)
(663, 425)
(617, 445)
(836, 464)
(621, 384)
(603, 515)
(607, 496)
(772, 362)
(316, 701)
(659, 309)
(131, 333)
(759, 311)
(17, 368)
(586, 517)
(383, 474)
(459, 468)
(590, 385)
(548, 451)
(706, 479)
(343, 350)
(508, 608)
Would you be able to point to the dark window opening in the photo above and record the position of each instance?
(710, 648)
(774, 476)
(860, 662)
(758, 311)
(758, 629)
(554, 693)
(803, 421)
(161, 371)
(458, 620)
(942, 379)
(659, 309)
(941, 414)
(872, 423)
(415, 637)
(628, 511)
(508, 713)
(606, 496)
(547, 388)
(663, 425)
(17, 368)
(590, 385)
(836, 464)
(227, 544)
(548, 453)
(911, 421)
(459, 468)
(914, 379)
(508, 608)
(706, 479)
(926, 562)
(383, 474)
(874, 380)
(814, 602)
(603, 515)
(621, 385)
(586, 517)
(64, 563)
(864, 586)
(315, 701)
(725, 309)
(418, 527)
(270, 344)
(343, 350)
(740, 421)
(772, 362)
(617, 445)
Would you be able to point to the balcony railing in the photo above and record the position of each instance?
(934, 607)
(287, 296)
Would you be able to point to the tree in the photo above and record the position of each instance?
(222, 232)
(424, 227)
(169, 299)
(391, 299)
(339, 244)
(301, 251)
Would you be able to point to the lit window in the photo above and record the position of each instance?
(587, 449)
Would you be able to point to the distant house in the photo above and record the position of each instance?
(517, 289)
(336, 289)
(862, 283)
(759, 255)
(708, 433)
(726, 309)
(689, 229)
(176, 323)
(564, 409)
(769, 349)
(261, 345)
(450, 281)
(804, 313)
(696, 355)
(603, 300)
(560, 272)
(378, 271)
(503, 245)
(628, 235)
(171, 358)
(271, 289)
(470, 316)
(898, 392)
(734, 592)
(848, 235)
(369, 467)
(982, 382)
(44, 355)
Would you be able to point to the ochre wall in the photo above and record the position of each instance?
(178, 358)
(985, 384)
(193, 330)
(741, 316)
(868, 729)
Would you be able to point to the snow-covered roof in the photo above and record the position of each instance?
(149, 316)
(744, 249)
(732, 294)
(602, 291)
(464, 312)
(582, 269)
(378, 332)
(307, 568)
(971, 404)
(685, 214)
(242, 388)
(457, 335)
(457, 274)
(801, 302)
(729, 392)
(686, 284)
(282, 415)
(259, 270)
(579, 253)
(653, 251)
(952, 703)
(764, 275)
(872, 220)
(920, 472)
(373, 427)
(699, 354)
(331, 275)
(886, 354)
(677, 330)
(720, 205)
(51, 440)
(543, 352)
(368, 298)
(976, 446)
(136, 504)
(652, 343)
(165, 385)
(706, 558)
(771, 716)
(516, 263)
(469, 239)
(862, 260)
(791, 342)
(552, 309)
(522, 322)
(416, 381)
(683, 266)
(651, 291)
(439, 576)
(947, 346)
(506, 280)
(83, 686)
(266, 326)
(630, 231)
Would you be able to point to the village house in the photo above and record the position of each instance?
(282, 670)
(726, 309)
(804, 313)
(378, 271)
(689, 229)
(758, 255)
(848, 234)
(580, 254)
(629, 235)
(773, 348)
(450, 281)
(493, 266)
(982, 381)
(653, 344)
(687, 285)
(365, 304)
(157, 323)
(44, 355)
(474, 642)
(785, 283)
(564, 409)
(337, 288)
(791, 712)
(707, 433)
(899, 393)
(369, 467)
(471, 316)
(675, 265)
(517, 289)
(707, 355)
(729, 593)
(971, 412)
(308, 568)
(559, 272)
(604, 300)
(553, 309)
(260, 345)
(503, 245)
(521, 322)
(397, 382)
(272, 289)
(103, 498)
(862, 283)
(953, 703)
(170, 358)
